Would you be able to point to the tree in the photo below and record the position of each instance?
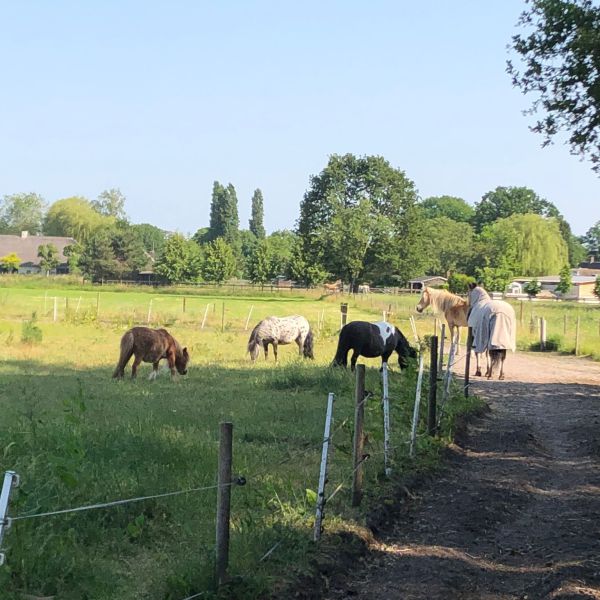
(561, 56)
(48, 255)
(448, 206)
(180, 261)
(224, 220)
(575, 248)
(281, 244)
(22, 212)
(73, 254)
(256, 225)
(75, 217)
(299, 269)
(450, 245)
(532, 288)
(97, 260)
(152, 238)
(260, 263)
(10, 263)
(591, 240)
(219, 261)
(111, 203)
(597, 287)
(129, 252)
(459, 283)
(566, 280)
(507, 201)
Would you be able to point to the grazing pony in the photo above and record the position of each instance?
(281, 330)
(454, 307)
(494, 327)
(370, 340)
(151, 345)
(333, 288)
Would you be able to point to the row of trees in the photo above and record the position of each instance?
(361, 220)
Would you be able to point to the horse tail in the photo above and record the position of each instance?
(254, 343)
(341, 354)
(127, 342)
(308, 345)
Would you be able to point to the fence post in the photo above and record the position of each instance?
(11, 480)
(55, 312)
(433, 349)
(565, 324)
(386, 420)
(343, 313)
(542, 334)
(149, 311)
(204, 318)
(97, 305)
(249, 315)
(223, 318)
(442, 341)
(577, 335)
(415, 422)
(183, 304)
(359, 416)
(468, 361)
(323, 470)
(413, 326)
(521, 313)
(223, 501)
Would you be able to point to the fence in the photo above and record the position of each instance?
(227, 482)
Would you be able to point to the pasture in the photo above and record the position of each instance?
(77, 437)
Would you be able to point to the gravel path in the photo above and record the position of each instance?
(517, 512)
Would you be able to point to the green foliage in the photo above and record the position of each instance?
(260, 263)
(597, 287)
(553, 344)
(224, 220)
(532, 288)
(450, 207)
(450, 245)
(73, 254)
(48, 255)
(31, 334)
(111, 203)
(566, 280)
(219, 261)
(75, 217)
(560, 51)
(505, 202)
(281, 243)
(301, 270)
(10, 263)
(459, 283)
(494, 279)
(591, 240)
(256, 224)
(180, 261)
(21, 212)
(152, 238)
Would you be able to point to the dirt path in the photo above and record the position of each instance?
(517, 512)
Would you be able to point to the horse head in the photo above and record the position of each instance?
(404, 349)
(181, 361)
(425, 300)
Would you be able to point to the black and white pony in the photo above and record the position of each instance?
(281, 330)
(494, 328)
(370, 340)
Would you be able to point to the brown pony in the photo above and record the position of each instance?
(151, 345)
(454, 307)
(333, 288)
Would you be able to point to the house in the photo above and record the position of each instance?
(582, 288)
(588, 267)
(419, 283)
(26, 246)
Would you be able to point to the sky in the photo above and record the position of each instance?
(160, 99)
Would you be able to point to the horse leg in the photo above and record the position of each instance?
(457, 329)
(384, 359)
(171, 361)
(477, 365)
(300, 342)
(134, 367)
(154, 373)
(266, 349)
(353, 359)
(488, 372)
(275, 349)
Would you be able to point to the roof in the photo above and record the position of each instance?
(575, 279)
(26, 248)
(425, 278)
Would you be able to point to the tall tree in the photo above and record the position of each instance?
(566, 280)
(260, 263)
(48, 255)
(561, 54)
(97, 260)
(220, 262)
(451, 207)
(152, 238)
(507, 201)
(224, 219)
(450, 245)
(591, 239)
(75, 217)
(180, 261)
(111, 203)
(22, 212)
(256, 225)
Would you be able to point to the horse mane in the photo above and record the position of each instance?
(443, 300)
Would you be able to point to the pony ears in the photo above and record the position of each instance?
(185, 351)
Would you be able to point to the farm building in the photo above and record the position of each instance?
(26, 246)
(418, 283)
(582, 288)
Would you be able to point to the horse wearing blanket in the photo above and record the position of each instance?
(494, 328)
(281, 330)
(371, 340)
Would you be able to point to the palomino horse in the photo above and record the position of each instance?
(494, 327)
(281, 330)
(370, 340)
(151, 345)
(333, 288)
(456, 310)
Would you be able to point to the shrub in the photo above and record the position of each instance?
(30, 333)
(553, 344)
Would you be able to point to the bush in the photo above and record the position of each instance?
(459, 283)
(553, 344)
(30, 333)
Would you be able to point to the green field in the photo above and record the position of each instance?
(76, 437)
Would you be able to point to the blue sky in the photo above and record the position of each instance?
(160, 99)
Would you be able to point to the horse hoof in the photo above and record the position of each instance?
(478, 373)
(501, 378)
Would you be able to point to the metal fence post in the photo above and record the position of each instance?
(323, 471)
(386, 420)
(223, 501)
(11, 480)
(415, 422)
(431, 425)
(442, 340)
(468, 361)
(359, 416)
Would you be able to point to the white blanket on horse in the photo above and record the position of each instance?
(493, 323)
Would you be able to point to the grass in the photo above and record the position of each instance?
(75, 436)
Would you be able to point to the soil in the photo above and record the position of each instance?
(516, 513)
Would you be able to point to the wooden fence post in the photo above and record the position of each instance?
(433, 349)
(577, 335)
(542, 334)
(468, 361)
(183, 308)
(359, 416)
(223, 318)
(521, 313)
(97, 305)
(565, 324)
(224, 501)
(442, 341)
(343, 313)
(55, 312)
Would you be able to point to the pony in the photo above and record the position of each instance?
(370, 340)
(281, 330)
(333, 288)
(151, 345)
(494, 327)
(454, 307)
